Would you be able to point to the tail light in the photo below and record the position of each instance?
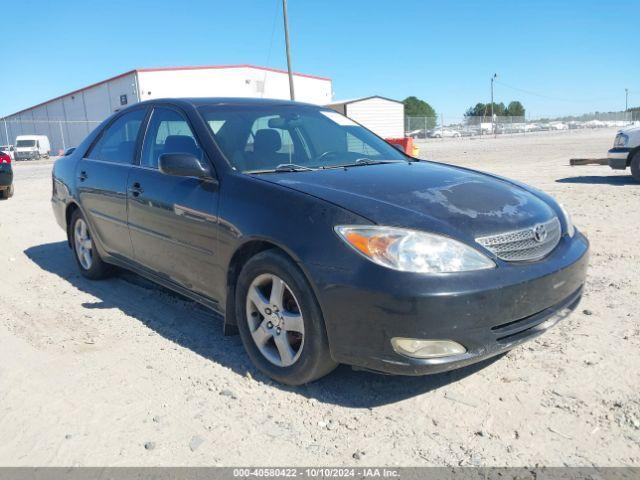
(5, 158)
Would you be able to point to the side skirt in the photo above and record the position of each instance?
(207, 302)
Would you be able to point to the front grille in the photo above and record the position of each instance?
(531, 243)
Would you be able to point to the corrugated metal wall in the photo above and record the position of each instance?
(67, 120)
(381, 116)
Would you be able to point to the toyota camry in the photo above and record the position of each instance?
(316, 240)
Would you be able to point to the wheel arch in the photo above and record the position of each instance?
(69, 210)
(632, 154)
(243, 253)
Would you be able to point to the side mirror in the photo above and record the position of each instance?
(69, 151)
(183, 165)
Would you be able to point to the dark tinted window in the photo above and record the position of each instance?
(261, 137)
(168, 132)
(118, 142)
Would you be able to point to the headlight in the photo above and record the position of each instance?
(621, 140)
(571, 229)
(413, 251)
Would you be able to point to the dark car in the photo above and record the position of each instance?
(318, 241)
(6, 176)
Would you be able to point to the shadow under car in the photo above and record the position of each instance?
(200, 333)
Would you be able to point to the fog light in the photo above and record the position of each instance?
(412, 347)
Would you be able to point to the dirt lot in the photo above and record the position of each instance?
(121, 372)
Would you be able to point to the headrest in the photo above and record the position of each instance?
(267, 140)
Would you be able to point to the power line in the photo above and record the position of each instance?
(549, 97)
(273, 31)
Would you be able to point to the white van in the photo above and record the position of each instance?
(30, 147)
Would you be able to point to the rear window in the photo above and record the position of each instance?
(26, 143)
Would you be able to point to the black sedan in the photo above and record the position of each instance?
(315, 239)
(6, 175)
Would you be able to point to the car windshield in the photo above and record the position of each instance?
(290, 138)
(26, 143)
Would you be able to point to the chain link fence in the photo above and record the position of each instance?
(62, 134)
(454, 127)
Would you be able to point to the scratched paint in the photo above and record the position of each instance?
(474, 199)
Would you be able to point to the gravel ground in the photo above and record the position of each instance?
(121, 372)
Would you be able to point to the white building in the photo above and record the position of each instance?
(381, 115)
(67, 119)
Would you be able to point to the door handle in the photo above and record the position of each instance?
(83, 176)
(136, 189)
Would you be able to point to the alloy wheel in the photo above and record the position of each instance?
(275, 320)
(83, 244)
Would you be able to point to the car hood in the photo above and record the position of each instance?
(629, 130)
(424, 195)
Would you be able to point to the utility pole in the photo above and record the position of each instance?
(288, 46)
(626, 99)
(6, 131)
(493, 130)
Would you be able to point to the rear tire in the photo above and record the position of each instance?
(9, 193)
(297, 321)
(635, 166)
(87, 257)
(4, 194)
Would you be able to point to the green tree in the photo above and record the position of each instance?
(481, 112)
(515, 109)
(414, 107)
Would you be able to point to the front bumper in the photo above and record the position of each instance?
(26, 155)
(488, 312)
(618, 157)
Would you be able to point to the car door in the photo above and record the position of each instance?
(173, 220)
(102, 181)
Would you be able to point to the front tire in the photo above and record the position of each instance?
(635, 166)
(87, 257)
(280, 321)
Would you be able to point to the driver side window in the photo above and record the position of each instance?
(168, 132)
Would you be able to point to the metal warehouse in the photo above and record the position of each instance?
(67, 119)
(381, 115)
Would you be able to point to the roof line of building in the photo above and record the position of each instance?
(211, 67)
(162, 69)
(360, 99)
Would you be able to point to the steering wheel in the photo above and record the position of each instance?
(326, 154)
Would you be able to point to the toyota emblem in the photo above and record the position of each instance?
(540, 233)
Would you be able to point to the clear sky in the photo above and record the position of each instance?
(567, 56)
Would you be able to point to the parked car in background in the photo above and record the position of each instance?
(443, 133)
(319, 241)
(9, 150)
(420, 133)
(626, 151)
(32, 147)
(6, 176)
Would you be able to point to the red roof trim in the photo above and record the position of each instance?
(162, 69)
(211, 67)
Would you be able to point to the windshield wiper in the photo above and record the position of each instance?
(283, 167)
(291, 167)
(365, 161)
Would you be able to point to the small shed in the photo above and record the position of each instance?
(381, 115)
